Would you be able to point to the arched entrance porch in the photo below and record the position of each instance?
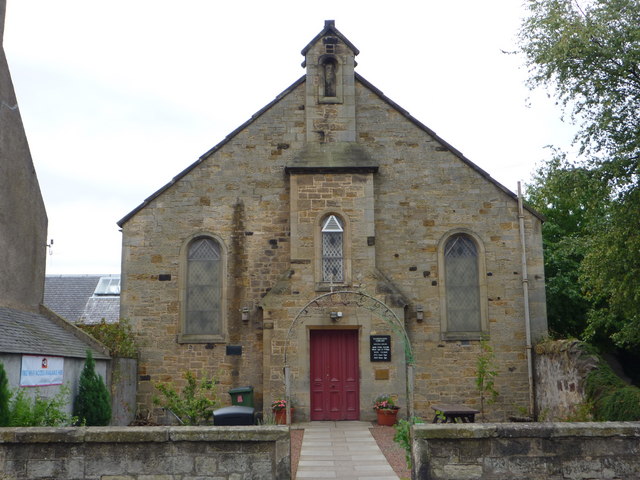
(353, 311)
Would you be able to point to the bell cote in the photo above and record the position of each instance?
(330, 87)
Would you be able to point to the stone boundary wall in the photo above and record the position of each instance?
(535, 451)
(145, 453)
(561, 367)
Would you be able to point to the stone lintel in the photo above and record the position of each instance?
(342, 157)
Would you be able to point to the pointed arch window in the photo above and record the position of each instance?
(332, 250)
(204, 288)
(464, 315)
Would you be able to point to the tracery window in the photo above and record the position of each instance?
(332, 250)
(203, 313)
(462, 285)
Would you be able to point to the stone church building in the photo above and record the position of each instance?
(337, 236)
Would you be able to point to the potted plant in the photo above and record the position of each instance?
(386, 410)
(279, 409)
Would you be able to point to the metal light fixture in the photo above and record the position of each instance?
(419, 313)
(245, 314)
(335, 316)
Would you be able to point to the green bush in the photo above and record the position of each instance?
(93, 403)
(5, 396)
(194, 404)
(117, 337)
(403, 436)
(612, 398)
(40, 411)
(622, 405)
(486, 371)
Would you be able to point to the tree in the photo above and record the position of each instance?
(611, 275)
(93, 404)
(5, 396)
(572, 198)
(588, 54)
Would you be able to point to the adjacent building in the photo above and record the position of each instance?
(37, 348)
(84, 299)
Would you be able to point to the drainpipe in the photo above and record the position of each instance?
(525, 289)
(287, 389)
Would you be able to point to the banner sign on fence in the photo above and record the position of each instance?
(39, 371)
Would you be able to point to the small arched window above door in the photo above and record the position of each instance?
(332, 250)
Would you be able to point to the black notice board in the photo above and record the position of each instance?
(380, 348)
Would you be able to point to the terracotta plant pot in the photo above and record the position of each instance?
(281, 416)
(387, 416)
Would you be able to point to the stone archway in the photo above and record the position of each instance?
(359, 300)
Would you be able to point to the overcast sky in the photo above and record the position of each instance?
(119, 96)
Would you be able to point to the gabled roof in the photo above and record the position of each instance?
(211, 151)
(72, 298)
(44, 334)
(297, 83)
(330, 29)
(444, 143)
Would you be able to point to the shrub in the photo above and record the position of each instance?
(5, 396)
(194, 404)
(485, 375)
(403, 436)
(40, 411)
(612, 398)
(117, 337)
(622, 405)
(93, 404)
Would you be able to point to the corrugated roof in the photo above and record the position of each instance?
(34, 333)
(72, 298)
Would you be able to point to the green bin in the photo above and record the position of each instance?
(242, 396)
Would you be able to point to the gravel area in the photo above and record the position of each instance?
(395, 453)
(296, 447)
(383, 436)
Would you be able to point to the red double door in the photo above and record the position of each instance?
(335, 379)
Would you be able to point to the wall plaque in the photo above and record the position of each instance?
(382, 374)
(380, 348)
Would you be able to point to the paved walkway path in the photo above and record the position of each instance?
(341, 450)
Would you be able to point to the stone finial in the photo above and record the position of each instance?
(329, 24)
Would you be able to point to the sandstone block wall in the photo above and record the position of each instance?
(561, 368)
(239, 194)
(539, 451)
(422, 193)
(145, 453)
(396, 217)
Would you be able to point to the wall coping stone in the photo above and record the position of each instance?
(530, 430)
(142, 434)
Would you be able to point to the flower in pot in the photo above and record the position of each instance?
(386, 409)
(279, 409)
